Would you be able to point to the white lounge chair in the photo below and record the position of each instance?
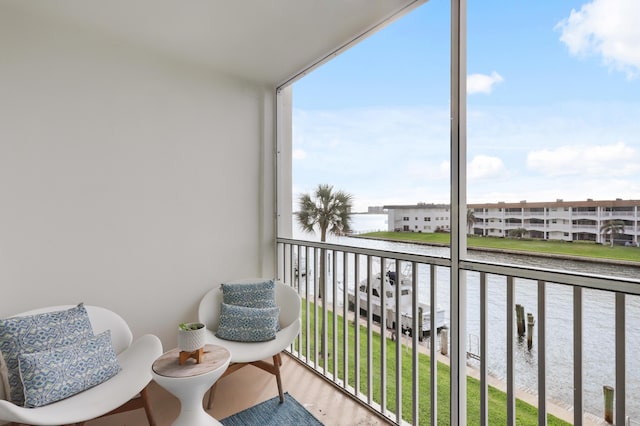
(117, 394)
(255, 353)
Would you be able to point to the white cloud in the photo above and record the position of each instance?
(484, 166)
(607, 28)
(482, 83)
(589, 161)
(299, 154)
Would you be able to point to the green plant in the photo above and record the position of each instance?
(190, 326)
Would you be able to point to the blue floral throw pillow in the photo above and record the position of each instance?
(55, 374)
(35, 333)
(259, 294)
(242, 324)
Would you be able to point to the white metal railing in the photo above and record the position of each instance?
(618, 213)
(365, 355)
(583, 226)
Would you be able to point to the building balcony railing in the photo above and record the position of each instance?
(527, 215)
(578, 226)
(388, 360)
(617, 214)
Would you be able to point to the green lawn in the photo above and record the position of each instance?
(526, 414)
(576, 248)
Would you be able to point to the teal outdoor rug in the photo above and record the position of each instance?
(272, 413)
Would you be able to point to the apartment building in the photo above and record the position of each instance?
(555, 220)
(421, 217)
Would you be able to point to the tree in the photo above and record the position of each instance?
(613, 228)
(471, 220)
(331, 212)
(517, 232)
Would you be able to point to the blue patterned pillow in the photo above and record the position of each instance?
(35, 333)
(55, 374)
(243, 324)
(259, 294)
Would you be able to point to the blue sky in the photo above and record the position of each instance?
(553, 106)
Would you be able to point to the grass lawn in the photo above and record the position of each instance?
(526, 414)
(576, 248)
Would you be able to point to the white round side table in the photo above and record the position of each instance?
(189, 382)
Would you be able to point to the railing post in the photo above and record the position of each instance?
(620, 414)
(433, 368)
(542, 353)
(578, 410)
(484, 325)
(510, 379)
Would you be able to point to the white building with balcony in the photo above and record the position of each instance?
(554, 220)
(426, 218)
(559, 220)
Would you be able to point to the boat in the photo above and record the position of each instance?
(406, 300)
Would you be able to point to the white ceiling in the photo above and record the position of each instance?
(266, 41)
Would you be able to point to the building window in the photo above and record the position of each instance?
(405, 219)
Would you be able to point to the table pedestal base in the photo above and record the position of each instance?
(197, 355)
(192, 413)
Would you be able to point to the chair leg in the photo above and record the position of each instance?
(277, 362)
(144, 394)
(211, 392)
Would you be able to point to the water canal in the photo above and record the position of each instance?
(598, 322)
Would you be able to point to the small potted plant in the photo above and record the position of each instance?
(191, 336)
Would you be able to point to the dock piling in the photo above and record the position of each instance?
(530, 324)
(608, 403)
(444, 341)
(520, 320)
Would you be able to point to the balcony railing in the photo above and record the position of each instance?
(386, 358)
(623, 213)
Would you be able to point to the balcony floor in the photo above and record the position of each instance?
(250, 386)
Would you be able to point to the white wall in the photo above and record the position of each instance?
(128, 179)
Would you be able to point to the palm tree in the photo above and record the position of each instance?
(331, 212)
(613, 228)
(517, 233)
(471, 220)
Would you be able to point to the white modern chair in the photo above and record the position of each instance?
(255, 353)
(125, 391)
